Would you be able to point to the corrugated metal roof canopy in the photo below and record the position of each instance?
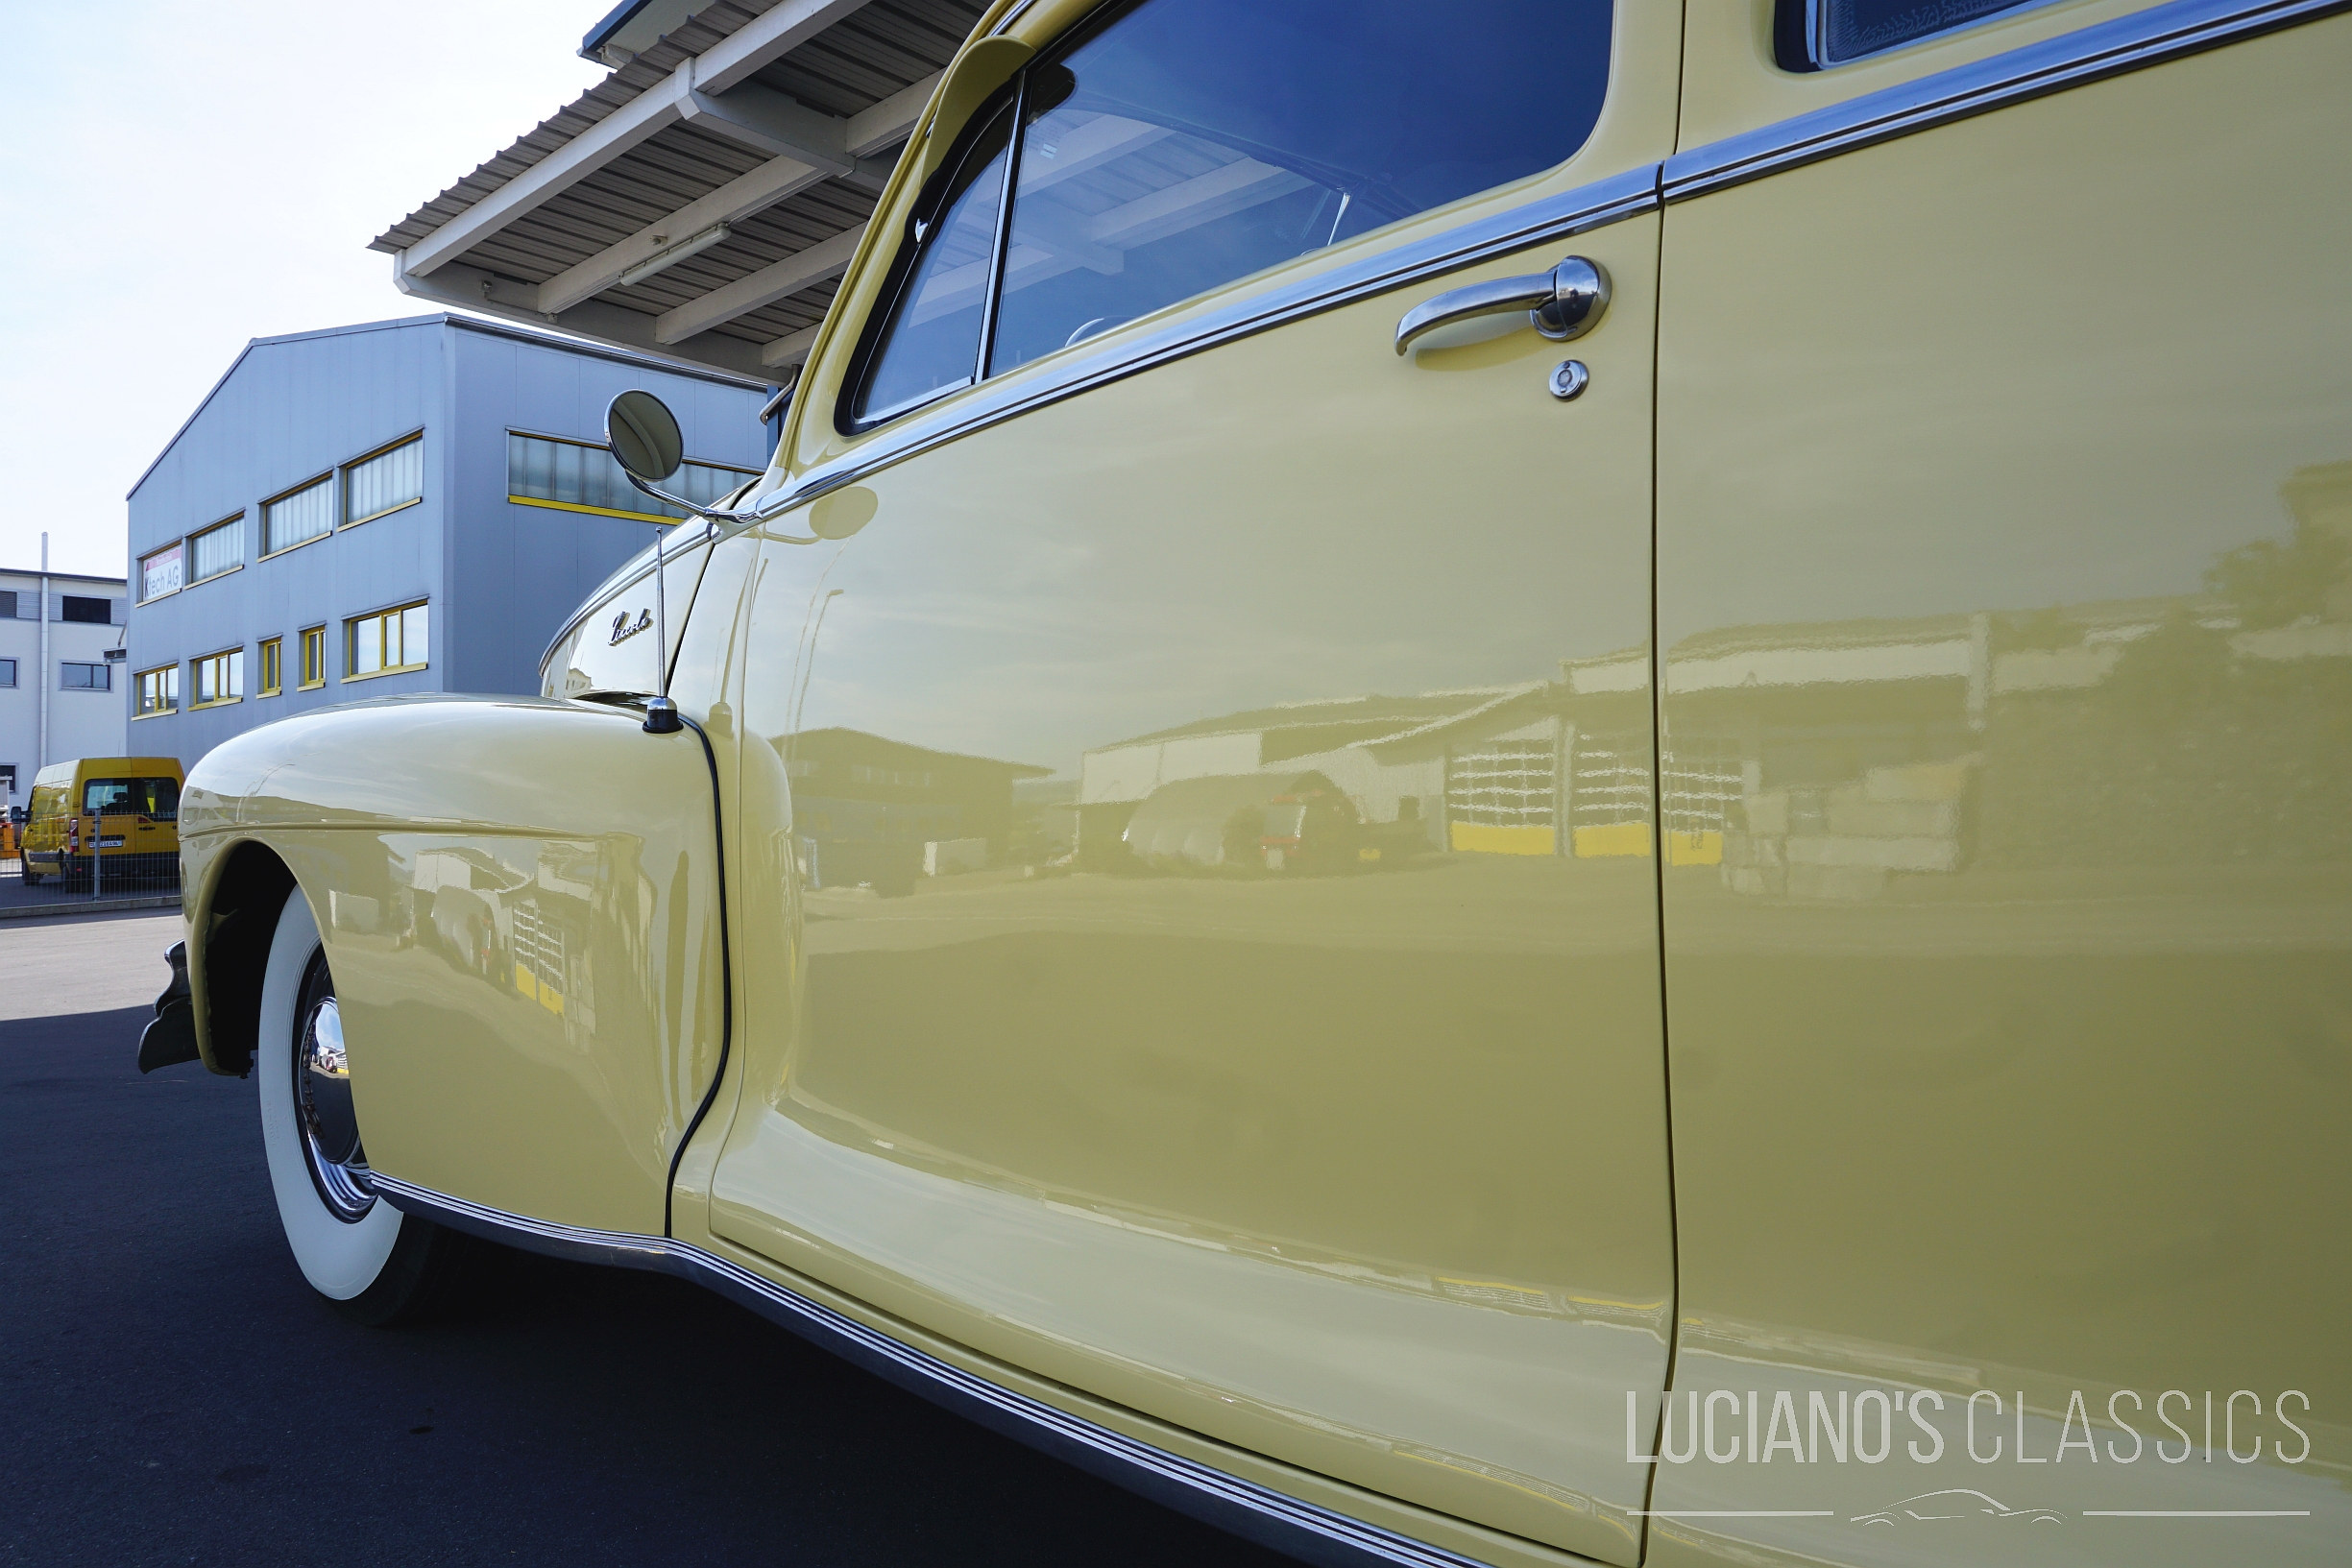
(702, 200)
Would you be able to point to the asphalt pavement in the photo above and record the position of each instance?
(171, 1391)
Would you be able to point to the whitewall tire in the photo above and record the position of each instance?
(375, 1264)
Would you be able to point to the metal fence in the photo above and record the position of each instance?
(96, 859)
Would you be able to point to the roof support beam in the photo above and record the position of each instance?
(888, 123)
(1202, 199)
(744, 52)
(731, 203)
(470, 288)
(778, 125)
(793, 350)
(809, 145)
(1090, 146)
(716, 94)
(826, 259)
(764, 118)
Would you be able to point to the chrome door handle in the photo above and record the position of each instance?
(1564, 303)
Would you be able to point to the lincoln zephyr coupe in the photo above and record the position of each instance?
(1516, 783)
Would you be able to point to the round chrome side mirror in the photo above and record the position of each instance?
(644, 436)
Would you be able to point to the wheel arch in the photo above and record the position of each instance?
(234, 918)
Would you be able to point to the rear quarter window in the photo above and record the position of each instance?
(1813, 34)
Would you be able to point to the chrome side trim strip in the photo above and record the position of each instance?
(1302, 1530)
(1553, 219)
(2128, 43)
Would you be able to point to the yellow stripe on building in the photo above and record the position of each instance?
(1611, 839)
(1478, 838)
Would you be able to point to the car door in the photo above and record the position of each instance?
(1208, 955)
(2007, 635)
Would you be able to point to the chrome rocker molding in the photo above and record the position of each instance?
(1301, 1530)
(2128, 43)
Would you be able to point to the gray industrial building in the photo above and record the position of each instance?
(410, 505)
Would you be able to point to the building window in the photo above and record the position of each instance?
(158, 692)
(385, 482)
(88, 612)
(314, 658)
(160, 572)
(383, 644)
(273, 666)
(574, 476)
(217, 678)
(299, 517)
(219, 548)
(7, 672)
(7, 604)
(84, 678)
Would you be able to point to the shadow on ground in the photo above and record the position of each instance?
(174, 1392)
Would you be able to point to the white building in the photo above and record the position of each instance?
(73, 692)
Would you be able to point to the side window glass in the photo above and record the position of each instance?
(1190, 142)
(1816, 32)
(932, 339)
(1172, 146)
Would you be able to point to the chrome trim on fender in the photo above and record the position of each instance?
(1243, 1508)
(1573, 212)
(2128, 43)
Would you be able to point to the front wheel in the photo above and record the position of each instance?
(376, 1265)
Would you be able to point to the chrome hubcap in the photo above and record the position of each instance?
(323, 1104)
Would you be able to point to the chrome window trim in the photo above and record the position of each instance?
(1554, 218)
(2113, 48)
(2093, 54)
(1011, 17)
(1243, 1508)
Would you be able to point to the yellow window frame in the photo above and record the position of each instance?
(222, 665)
(154, 681)
(384, 626)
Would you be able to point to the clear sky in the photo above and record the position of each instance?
(180, 175)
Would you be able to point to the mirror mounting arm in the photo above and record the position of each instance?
(643, 437)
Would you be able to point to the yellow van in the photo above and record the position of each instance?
(125, 808)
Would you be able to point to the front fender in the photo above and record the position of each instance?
(519, 901)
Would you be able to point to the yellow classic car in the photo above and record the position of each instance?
(1515, 784)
